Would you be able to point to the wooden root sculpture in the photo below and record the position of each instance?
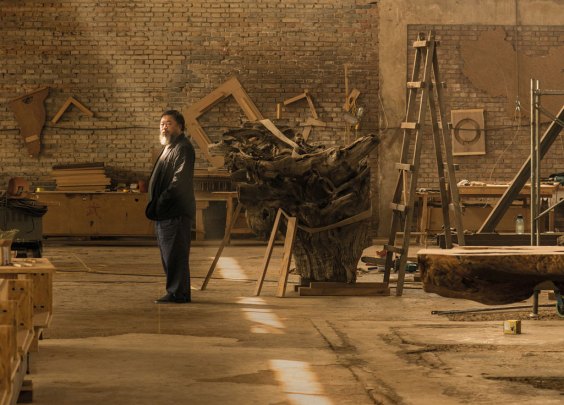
(491, 275)
(320, 187)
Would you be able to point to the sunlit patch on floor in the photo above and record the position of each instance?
(300, 384)
(229, 269)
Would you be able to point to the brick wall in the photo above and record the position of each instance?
(128, 61)
(507, 143)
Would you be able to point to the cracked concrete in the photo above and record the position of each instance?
(109, 343)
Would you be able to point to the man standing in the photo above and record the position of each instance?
(172, 205)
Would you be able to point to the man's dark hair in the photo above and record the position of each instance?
(178, 117)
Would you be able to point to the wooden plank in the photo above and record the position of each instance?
(268, 254)
(329, 284)
(311, 106)
(278, 134)
(66, 105)
(306, 132)
(345, 291)
(231, 87)
(247, 105)
(287, 258)
(294, 99)
(30, 115)
(202, 140)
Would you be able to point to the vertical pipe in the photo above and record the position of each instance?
(538, 158)
(533, 162)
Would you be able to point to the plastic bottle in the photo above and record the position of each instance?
(519, 224)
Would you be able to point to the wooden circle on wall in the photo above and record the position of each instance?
(467, 131)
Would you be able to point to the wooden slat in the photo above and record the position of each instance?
(409, 125)
(415, 85)
(328, 284)
(421, 43)
(268, 254)
(294, 99)
(278, 134)
(398, 207)
(405, 166)
(286, 260)
(345, 290)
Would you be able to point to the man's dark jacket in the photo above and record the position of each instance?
(171, 186)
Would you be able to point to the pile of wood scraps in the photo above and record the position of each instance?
(81, 177)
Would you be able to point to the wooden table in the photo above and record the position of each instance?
(487, 194)
(84, 213)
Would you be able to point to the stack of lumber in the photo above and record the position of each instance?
(81, 177)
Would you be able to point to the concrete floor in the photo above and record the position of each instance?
(109, 343)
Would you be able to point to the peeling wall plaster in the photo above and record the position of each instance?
(493, 65)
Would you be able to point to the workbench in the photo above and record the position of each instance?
(476, 204)
(120, 214)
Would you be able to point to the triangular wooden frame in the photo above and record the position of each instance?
(66, 105)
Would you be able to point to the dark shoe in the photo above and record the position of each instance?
(172, 299)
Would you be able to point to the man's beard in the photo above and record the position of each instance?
(164, 139)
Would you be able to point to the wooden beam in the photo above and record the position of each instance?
(287, 258)
(548, 138)
(295, 98)
(268, 254)
(278, 134)
(66, 105)
(231, 87)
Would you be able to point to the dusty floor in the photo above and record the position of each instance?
(109, 343)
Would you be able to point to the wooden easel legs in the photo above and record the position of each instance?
(224, 242)
(292, 229)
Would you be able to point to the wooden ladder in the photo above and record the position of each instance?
(421, 93)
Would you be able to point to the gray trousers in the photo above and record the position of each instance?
(173, 237)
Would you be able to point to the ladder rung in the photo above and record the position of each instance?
(415, 85)
(405, 166)
(421, 43)
(440, 124)
(409, 125)
(398, 207)
(394, 249)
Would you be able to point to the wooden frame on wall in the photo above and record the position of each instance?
(468, 135)
(232, 87)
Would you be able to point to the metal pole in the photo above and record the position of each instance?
(538, 159)
(535, 184)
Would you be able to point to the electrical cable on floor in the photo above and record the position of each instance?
(89, 270)
(464, 311)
